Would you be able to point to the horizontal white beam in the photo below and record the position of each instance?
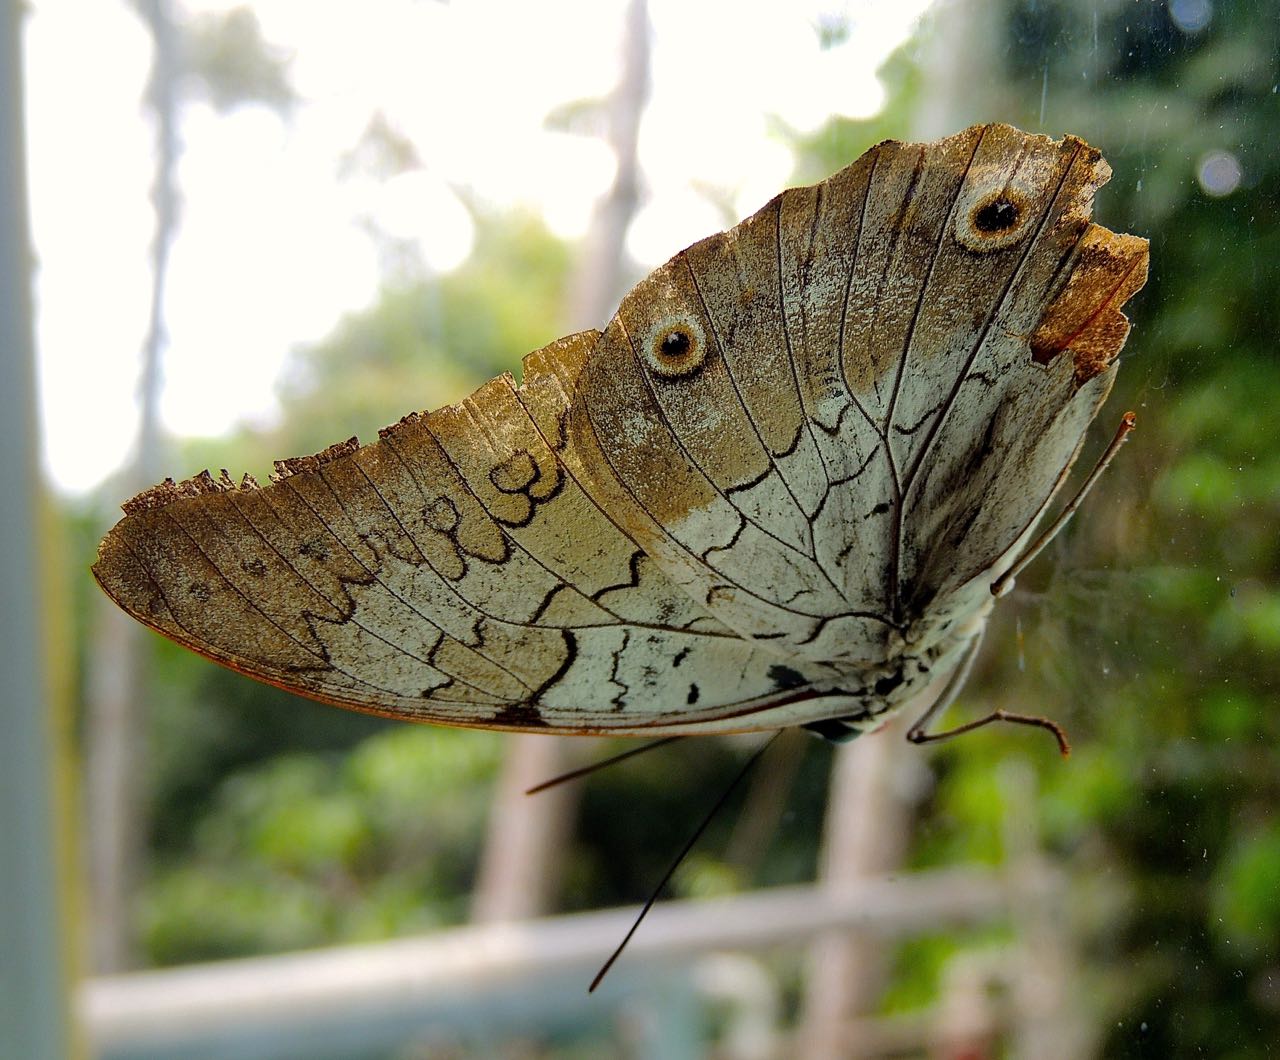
(127, 1014)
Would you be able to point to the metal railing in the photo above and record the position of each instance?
(496, 981)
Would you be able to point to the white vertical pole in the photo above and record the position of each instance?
(33, 976)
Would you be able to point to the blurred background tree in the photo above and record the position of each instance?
(224, 60)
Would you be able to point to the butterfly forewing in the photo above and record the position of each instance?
(454, 572)
(763, 495)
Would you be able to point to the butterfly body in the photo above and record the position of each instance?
(775, 489)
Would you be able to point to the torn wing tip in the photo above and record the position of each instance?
(165, 493)
(296, 465)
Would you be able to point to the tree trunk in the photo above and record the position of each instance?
(116, 698)
(870, 806)
(869, 812)
(524, 849)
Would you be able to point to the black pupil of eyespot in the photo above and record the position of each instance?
(996, 216)
(675, 343)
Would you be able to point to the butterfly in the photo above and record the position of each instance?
(783, 486)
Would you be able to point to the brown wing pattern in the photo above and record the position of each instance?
(454, 572)
(859, 422)
(729, 509)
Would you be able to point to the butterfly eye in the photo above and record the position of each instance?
(677, 349)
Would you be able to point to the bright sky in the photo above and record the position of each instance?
(272, 250)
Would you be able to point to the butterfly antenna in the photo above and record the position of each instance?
(684, 852)
(1001, 584)
(574, 774)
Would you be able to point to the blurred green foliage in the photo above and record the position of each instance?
(305, 849)
(1151, 629)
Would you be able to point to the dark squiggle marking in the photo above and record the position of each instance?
(433, 499)
(692, 463)
(618, 701)
(906, 431)
(706, 555)
(751, 483)
(510, 545)
(367, 540)
(520, 716)
(846, 479)
(822, 624)
(796, 595)
(309, 619)
(784, 678)
(516, 476)
(542, 608)
(981, 378)
(837, 429)
(747, 412)
(622, 484)
(321, 654)
(570, 656)
(289, 483)
(633, 581)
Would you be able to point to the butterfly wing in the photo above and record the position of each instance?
(454, 572)
(983, 417)
(795, 439)
(862, 408)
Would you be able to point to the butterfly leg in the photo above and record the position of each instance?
(918, 733)
(1005, 582)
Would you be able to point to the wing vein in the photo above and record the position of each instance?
(737, 390)
(376, 577)
(694, 463)
(949, 403)
(924, 287)
(791, 357)
(844, 309)
(306, 616)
